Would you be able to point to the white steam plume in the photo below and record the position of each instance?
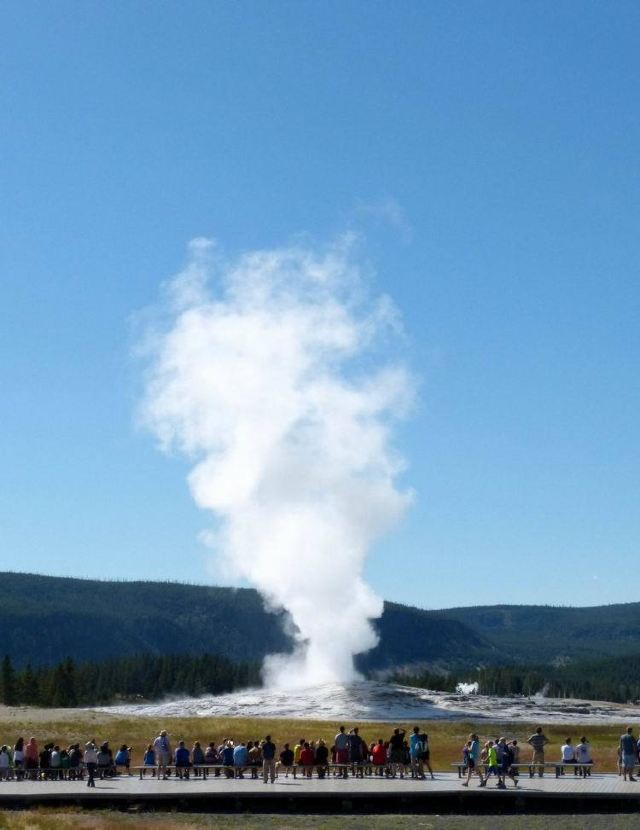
(263, 377)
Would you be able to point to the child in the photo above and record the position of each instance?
(123, 758)
(149, 760)
(5, 763)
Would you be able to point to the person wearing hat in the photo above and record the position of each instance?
(90, 761)
(162, 747)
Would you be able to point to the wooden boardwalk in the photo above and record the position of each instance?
(600, 792)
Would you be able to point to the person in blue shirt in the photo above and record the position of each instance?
(182, 761)
(240, 759)
(268, 760)
(415, 750)
(226, 756)
(628, 754)
(149, 759)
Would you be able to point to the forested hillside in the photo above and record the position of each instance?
(46, 619)
(543, 634)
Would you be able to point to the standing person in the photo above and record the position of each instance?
(514, 749)
(341, 743)
(426, 753)
(537, 742)
(162, 747)
(357, 751)
(268, 760)
(396, 752)
(91, 762)
(415, 751)
(627, 748)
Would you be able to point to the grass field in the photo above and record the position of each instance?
(446, 737)
(55, 820)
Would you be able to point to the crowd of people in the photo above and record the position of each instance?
(399, 755)
(501, 759)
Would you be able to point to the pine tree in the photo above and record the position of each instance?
(8, 679)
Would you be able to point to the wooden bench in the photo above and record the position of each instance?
(328, 770)
(558, 767)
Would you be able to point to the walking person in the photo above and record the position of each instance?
(492, 762)
(473, 760)
(268, 760)
(627, 748)
(504, 761)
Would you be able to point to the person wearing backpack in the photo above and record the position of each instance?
(426, 754)
(505, 761)
(416, 748)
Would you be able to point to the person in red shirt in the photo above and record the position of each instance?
(379, 756)
(307, 759)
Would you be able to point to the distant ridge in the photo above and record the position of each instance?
(44, 619)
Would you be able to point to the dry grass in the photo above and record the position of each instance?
(446, 737)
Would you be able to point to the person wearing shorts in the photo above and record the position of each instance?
(537, 743)
(628, 757)
(162, 747)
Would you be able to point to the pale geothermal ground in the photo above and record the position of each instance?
(373, 701)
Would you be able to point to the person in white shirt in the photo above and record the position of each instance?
(568, 753)
(90, 761)
(583, 756)
(162, 747)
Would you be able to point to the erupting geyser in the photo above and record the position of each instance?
(263, 376)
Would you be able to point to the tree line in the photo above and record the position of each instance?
(615, 679)
(136, 678)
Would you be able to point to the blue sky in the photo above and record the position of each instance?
(488, 151)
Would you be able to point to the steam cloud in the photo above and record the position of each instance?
(263, 377)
